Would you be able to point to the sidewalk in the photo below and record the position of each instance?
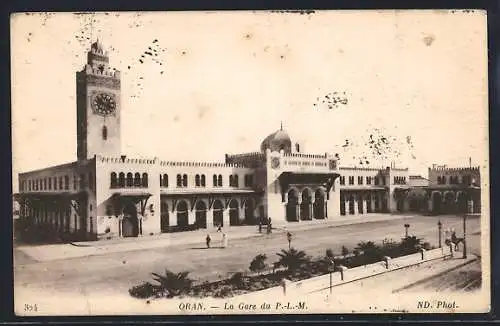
(82, 249)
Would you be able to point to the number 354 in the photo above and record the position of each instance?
(30, 307)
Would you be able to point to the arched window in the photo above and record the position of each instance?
(130, 180)
(219, 180)
(114, 180)
(197, 180)
(202, 180)
(179, 180)
(215, 180)
(184, 180)
(236, 183)
(121, 180)
(104, 133)
(66, 182)
(137, 179)
(165, 180)
(60, 183)
(145, 180)
(231, 182)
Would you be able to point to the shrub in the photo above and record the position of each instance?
(410, 245)
(238, 280)
(173, 284)
(143, 291)
(223, 291)
(329, 253)
(370, 249)
(292, 259)
(258, 263)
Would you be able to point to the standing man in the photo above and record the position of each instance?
(208, 239)
(269, 225)
(289, 238)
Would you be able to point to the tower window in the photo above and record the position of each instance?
(101, 68)
(104, 133)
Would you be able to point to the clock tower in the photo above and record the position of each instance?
(98, 106)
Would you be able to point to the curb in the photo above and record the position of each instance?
(435, 275)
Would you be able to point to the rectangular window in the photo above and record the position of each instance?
(368, 180)
(82, 181)
(50, 183)
(75, 182)
(376, 181)
(383, 180)
(351, 180)
(66, 182)
(342, 180)
(360, 180)
(60, 183)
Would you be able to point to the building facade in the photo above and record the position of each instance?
(105, 194)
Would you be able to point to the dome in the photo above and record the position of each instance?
(276, 141)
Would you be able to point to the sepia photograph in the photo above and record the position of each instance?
(250, 162)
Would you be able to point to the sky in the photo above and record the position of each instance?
(222, 81)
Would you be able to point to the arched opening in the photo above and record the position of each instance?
(305, 206)
(249, 211)
(342, 204)
(218, 213)
(104, 133)
(184, 180)
(461, 202)
(369, 204)
(130, 223)
(114, 180)
(179, 180)
(165, 181)
(137, 179)
(202, 181)
(219, 180)
(291, 206)
(197, 180)
(351, 204)
(319, 205)
(164, 217)
(130, 180)
(214, 180)
(449, 202)
(436, 202)
(145, 180)
(234, 213)
(360, 204)
(182, 215)
(121, 179)
(201, 214)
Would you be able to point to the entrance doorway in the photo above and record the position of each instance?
(130, 223)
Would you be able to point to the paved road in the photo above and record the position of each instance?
(116, 272)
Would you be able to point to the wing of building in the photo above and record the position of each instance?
(105, 194)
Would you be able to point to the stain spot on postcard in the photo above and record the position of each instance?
(202, 111)
(428, 39)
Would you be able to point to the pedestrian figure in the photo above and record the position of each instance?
(289, 238)
(208, 239)
(219, 228)
(269, 226)
(224, 240)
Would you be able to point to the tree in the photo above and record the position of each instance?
(173, 284)
(258, 263)
(292, 259)
(329, 253)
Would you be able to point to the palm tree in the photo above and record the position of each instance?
(173, 284)
(292, 259)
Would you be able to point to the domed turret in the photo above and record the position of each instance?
(277, 141)
(97, 47)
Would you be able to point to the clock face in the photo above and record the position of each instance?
(104, 104)
(275, 162)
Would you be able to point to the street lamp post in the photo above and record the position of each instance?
(406, 229)
(440, 227)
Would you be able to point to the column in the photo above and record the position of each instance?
(210, 218)
(365, 205)
(297, 208)
(373, 203)
(225, 218)
(191, 216)
(172, 218)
